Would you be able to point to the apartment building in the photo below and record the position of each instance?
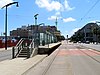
(90, 32)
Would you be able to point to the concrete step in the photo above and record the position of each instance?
(23, 52)
(22, 55)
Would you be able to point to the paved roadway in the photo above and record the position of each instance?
(5, 54)
(84, 61)
(69, 59)
(93, 46)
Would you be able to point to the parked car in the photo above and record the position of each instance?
(87, 42)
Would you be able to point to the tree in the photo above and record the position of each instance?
(96, 32)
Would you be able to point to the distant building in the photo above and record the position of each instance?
(89, 32)
(30, 30)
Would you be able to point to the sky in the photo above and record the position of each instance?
(71, 14)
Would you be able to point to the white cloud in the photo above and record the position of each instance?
(70, 19)
(67, 5)
(49, 5)
(4, 2)
(54, 17)
(53, 5)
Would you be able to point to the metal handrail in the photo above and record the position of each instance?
(19, 42)
(18, 47)
(31, 46)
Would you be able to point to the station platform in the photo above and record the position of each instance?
(48, 49)
(19, 66)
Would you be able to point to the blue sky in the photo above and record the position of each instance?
(71, 14)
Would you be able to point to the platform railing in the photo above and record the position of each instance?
(17, 48)
(28, 45)
(31, 46)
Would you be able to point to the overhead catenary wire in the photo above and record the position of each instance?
(20, 15)
(90, 9)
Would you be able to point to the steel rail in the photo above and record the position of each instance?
(50, 63)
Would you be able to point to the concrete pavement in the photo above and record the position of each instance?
(18, 66)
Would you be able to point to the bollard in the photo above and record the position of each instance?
(13, 53)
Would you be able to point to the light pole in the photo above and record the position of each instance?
(6, 21)
(36, 34)
(67, 38)
(35, 16)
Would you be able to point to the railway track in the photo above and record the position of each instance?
(93, 54)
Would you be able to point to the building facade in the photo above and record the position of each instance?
(49, 34)
(90, 32)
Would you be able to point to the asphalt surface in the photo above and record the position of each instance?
(85, 61)
(93, 46)
(5, 54)
(69, 59)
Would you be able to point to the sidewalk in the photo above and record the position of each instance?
(18, 66)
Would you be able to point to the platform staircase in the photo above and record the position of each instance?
(24, 49)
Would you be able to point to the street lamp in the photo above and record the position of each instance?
(36, 34)
(35, 16)
(6, 21)
(67, 38)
